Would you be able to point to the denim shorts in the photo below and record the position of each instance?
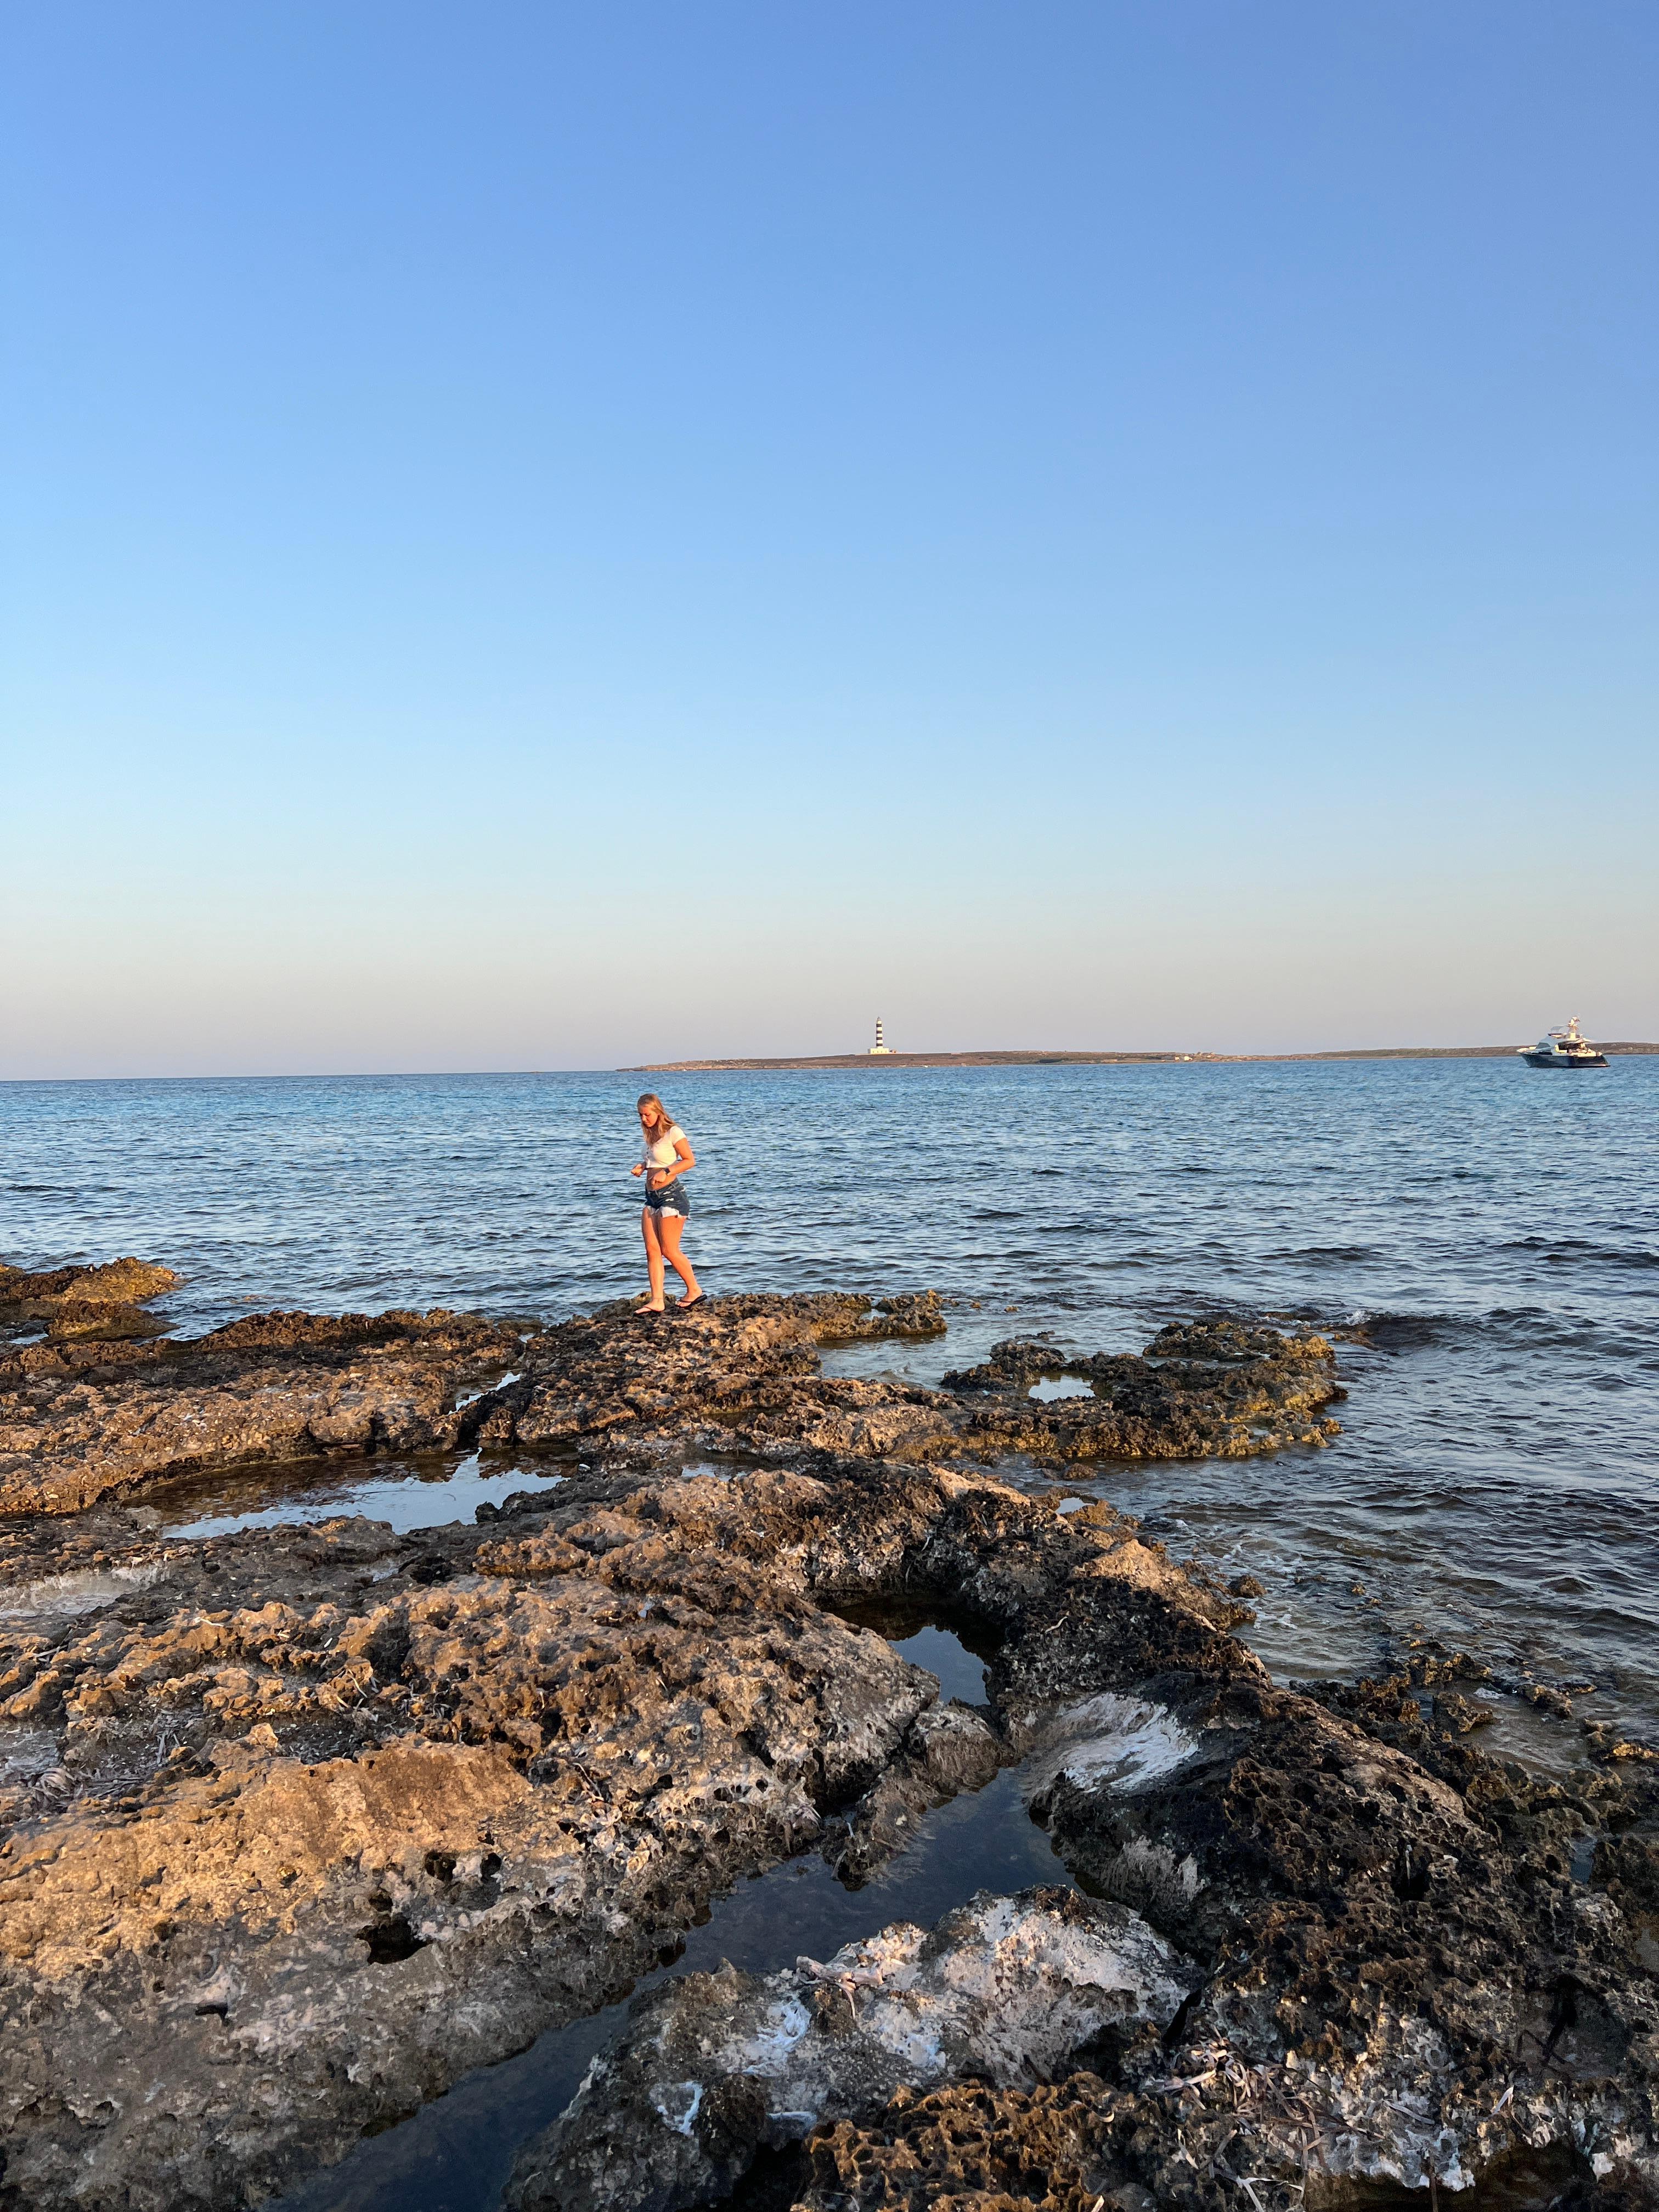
(671, 1200)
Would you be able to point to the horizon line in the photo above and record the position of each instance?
(970, 1057)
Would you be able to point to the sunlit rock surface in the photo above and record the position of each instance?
(303, 1824)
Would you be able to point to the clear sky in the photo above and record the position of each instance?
(544, 536)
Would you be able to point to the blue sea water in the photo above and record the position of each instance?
(1495, 1483)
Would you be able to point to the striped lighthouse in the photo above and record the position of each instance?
(880, 1045)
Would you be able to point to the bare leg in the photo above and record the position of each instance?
(670, 1232)
(653, 1260)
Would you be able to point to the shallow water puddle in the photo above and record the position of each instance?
(960, 1673)
(1061, 1386)
(1526, 2180)
(409, 1493)
(496, 1382)
(958, 1660)
(455, 2154)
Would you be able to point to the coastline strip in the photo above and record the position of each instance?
(877, 1061)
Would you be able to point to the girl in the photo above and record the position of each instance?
(668, 1154)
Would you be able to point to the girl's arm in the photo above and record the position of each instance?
(684, 1158)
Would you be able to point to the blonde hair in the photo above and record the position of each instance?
(665, 1121)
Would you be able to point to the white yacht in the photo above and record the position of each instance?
(1567, 1047)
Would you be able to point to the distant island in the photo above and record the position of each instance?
(888, 1058)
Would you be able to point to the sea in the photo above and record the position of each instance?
(1480, 1239)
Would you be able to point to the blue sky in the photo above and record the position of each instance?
(541, 537)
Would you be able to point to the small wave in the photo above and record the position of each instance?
(1529, 1328)
(1567, 1248)
(1396, 1332)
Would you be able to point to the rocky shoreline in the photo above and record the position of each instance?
(304, 1825)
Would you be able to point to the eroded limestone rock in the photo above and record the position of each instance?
(104, 1303)
(742, 1373)
(321, 1834)
(1210, 1389)
(715, 2066)
(81, 1420)
(304, 1823)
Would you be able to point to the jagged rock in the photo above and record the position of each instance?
(956, 1749)
(1544, 1698)
(1079, 2144)
(715, 2066)
(742, 1374)
(103, 1321)
(78, 1421)
(315, 1839)
(1059, 2147)
(105, 1303)
(308, 1821)
(305, 1823)
(130, 1282)
(1399, 1973)
(1203, 1390)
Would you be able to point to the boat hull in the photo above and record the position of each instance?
(1565, 1060)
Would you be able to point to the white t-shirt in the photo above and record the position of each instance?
(661, 1154)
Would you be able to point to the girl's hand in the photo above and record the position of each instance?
(659, 1180)
(638, 1169)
